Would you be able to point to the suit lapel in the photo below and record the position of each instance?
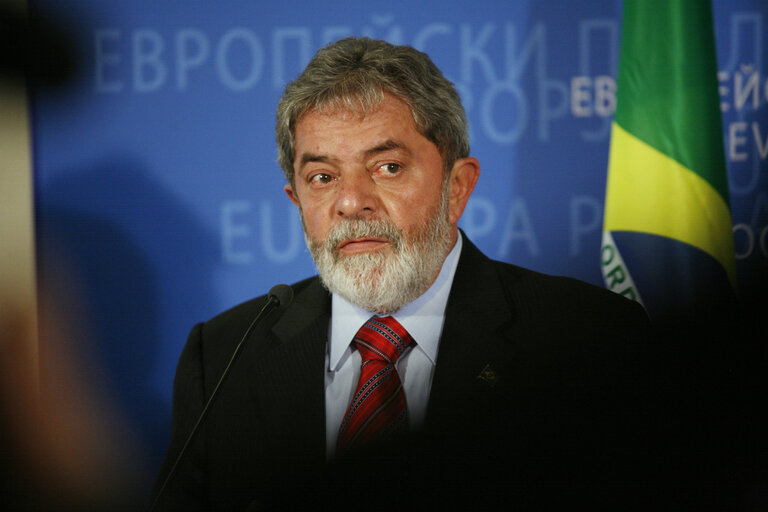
(289, 377)
(475, 346)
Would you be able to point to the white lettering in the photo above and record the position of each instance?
(471, 52)
(230, 231)
(605, 96)
(581, 96)
(607, 48)
(488, 108)
(762, 146)
(192, 49)
(735, 141)
(742, 91)
(518, 228)
(723, 90)
(536, 42)
(292, 231)
(479, 218)
(549, 111)
(256, 56)
(737, 21)
(104, 59)
(586, 218)
(149, 72)
(302, 37)
(750, 245)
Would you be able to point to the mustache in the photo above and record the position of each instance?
(363, 228)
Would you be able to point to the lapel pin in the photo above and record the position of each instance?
(488, 375)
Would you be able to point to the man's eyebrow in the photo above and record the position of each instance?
(387, 145)
(312, 157)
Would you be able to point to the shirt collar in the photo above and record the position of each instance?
(422, 318)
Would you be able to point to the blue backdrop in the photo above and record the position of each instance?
(159, 197)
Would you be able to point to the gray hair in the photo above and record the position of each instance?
(354, 74)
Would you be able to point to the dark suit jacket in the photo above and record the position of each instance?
(540, 383)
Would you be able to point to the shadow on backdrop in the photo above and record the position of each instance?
(88, 229)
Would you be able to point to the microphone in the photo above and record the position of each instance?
(279, 296)
(282, 293)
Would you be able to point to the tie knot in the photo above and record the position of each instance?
(382, 339)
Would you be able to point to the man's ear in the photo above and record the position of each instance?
(291, 194)
(462, 182)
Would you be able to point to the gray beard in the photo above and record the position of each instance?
(383, 282)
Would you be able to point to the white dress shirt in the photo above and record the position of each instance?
(423, 319)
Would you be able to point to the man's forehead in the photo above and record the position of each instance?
(387, 121)
(352, 111)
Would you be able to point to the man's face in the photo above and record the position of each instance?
(371, 188)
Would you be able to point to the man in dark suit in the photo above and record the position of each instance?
(515, 384)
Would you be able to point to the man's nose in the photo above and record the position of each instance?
(357, 194)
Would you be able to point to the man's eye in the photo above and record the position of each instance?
(320, 179)
(391, 168)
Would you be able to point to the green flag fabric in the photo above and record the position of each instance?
(667, 234)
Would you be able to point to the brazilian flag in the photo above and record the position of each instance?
(667, 234)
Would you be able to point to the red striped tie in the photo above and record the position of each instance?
(378, 409)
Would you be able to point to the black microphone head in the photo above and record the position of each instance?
(282, 293)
